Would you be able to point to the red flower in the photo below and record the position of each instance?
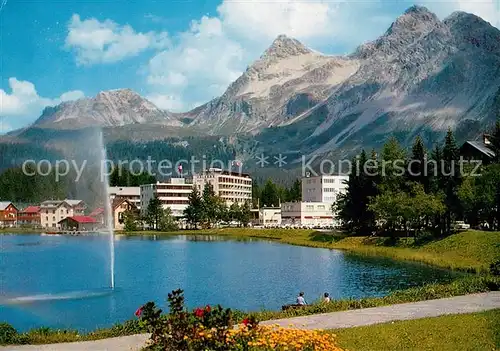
(245, 321)
(208, 309)
(198, 312)
(138, 312)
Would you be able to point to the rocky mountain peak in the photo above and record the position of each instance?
(283, 47)
(413, 24)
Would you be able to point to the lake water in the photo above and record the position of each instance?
(246, 275)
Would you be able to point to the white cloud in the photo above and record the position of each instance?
(106, 42)
(167, 102)
(24, 104)
(489, 10)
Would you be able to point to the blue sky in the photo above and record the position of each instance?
(176, 53)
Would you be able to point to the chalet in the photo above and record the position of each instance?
(478, 150)
(30, 216)
(8, 214)
(119, 207)
(78, 223)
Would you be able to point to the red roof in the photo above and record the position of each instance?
(98, 211)
(31, 209)
(83, 219)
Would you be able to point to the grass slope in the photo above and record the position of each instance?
(475, 331)
(471, 251)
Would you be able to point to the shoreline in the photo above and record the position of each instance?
(470, 251)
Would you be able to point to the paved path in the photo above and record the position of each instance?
(335, 320)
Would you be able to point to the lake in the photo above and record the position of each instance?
(61, 281)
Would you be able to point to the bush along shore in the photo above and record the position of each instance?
(461, 286)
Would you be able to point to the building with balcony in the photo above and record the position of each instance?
(270, 216)
(30, 216)
(230, 186)
(53, 211)
(173, 194)
(324, 188)
(8, 214)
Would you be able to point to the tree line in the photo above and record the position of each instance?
(421, 191)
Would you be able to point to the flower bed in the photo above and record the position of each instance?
(212, 329)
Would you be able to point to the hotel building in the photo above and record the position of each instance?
(323, 188)
(173, 194)
(230, 186)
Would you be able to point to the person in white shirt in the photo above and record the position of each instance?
(326, 297)
(300, 299)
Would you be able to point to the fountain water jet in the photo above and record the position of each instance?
(108, 213)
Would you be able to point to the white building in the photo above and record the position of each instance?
(310, 214)
(270, 216)
(130, 193)
(230, 186)
(173, 194)
(324, 188)
(54, 211)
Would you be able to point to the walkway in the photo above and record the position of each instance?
(336, 320)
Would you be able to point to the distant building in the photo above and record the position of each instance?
(8, 214)
(324, 188)
(173, 194)
(98, 215)
(30, 216)
(119, 207)
(270, 216)
(230, 186)
(131, 193)
(78, 223)
(478, 150)
(307, 214)
(53, 211)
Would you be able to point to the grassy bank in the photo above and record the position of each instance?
(439, 333)
(463, 286)
(471, 251)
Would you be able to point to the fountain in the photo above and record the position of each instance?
(108, 212)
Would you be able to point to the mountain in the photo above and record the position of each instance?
(285, 82)
(422, 76)
(107, 109)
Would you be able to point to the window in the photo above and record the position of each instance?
(310, 207)
(54, 218)
(321, 207)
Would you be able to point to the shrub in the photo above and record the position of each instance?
(212, 328)
(495, 268)
(8, 334)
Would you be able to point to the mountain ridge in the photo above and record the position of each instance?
(421, 76)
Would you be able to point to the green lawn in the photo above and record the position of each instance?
(474, 332)
(471, 251)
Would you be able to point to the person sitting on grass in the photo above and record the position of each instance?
(300, 299)
(326, 298)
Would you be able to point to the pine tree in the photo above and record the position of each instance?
(154, 213)
(194, 211)
(417, 165)
(452, 179)
(269, 195)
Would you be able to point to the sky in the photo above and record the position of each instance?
(178, 53)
